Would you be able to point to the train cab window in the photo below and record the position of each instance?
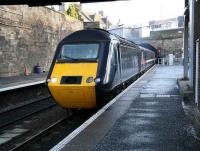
(79, 51)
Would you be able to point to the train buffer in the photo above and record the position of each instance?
(148, 116)
(15, 82)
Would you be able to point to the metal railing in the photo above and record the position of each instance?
(165, 61)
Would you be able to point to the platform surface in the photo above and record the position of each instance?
(10, 83)
(149, 117)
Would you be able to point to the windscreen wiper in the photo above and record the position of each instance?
(73, 59)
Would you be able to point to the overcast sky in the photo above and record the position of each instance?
(137, 11)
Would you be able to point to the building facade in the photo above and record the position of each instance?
(127, 32)
(29, 36)
(172, 23)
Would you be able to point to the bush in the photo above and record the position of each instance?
(73, 12)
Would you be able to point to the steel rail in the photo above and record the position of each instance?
(29, 114)
(38, 135)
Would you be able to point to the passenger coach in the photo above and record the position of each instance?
(91, 64)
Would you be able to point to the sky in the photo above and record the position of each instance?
(136, 12)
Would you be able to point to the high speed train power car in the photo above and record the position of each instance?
(89, 64)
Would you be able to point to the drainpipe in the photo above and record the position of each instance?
(185, 47)
(197, 74)
(191, 44)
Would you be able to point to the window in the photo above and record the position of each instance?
(79, 51)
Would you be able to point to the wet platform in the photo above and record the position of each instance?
(15, 82)
(149, 116)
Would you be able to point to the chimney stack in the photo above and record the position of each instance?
(101, 12)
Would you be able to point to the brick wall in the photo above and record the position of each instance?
(29, 36)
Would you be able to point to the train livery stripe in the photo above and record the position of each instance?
(150, 60)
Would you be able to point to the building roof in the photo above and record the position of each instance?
(85, 16)
(162, 21)
(94, 17)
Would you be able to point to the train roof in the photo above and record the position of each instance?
(121, 39)
(148, 46)
(87, 35)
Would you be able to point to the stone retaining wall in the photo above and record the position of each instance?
(167, 41)
(29, 35)
(168, 46)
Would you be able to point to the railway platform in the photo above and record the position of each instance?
(147, 116)
(15, 82)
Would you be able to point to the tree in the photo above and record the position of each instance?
(73, 12)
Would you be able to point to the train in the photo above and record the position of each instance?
(91, 64)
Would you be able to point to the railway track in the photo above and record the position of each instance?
(24, 127)
(13, 123)
(26, 144)
(22, 96)
(48, 136)
(24, 111)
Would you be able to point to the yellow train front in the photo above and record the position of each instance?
(88, 65)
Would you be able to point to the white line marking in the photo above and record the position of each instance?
(163, 96)
(22, 85)
(175, 95)
(77, 131)
(166, 96)
(147, 95)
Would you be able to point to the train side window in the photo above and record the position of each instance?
(118, 54)
(114, 61)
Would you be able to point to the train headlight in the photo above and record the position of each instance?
(89, 79)
(97, 80)
(53, 80)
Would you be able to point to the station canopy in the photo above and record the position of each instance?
(45, 2)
